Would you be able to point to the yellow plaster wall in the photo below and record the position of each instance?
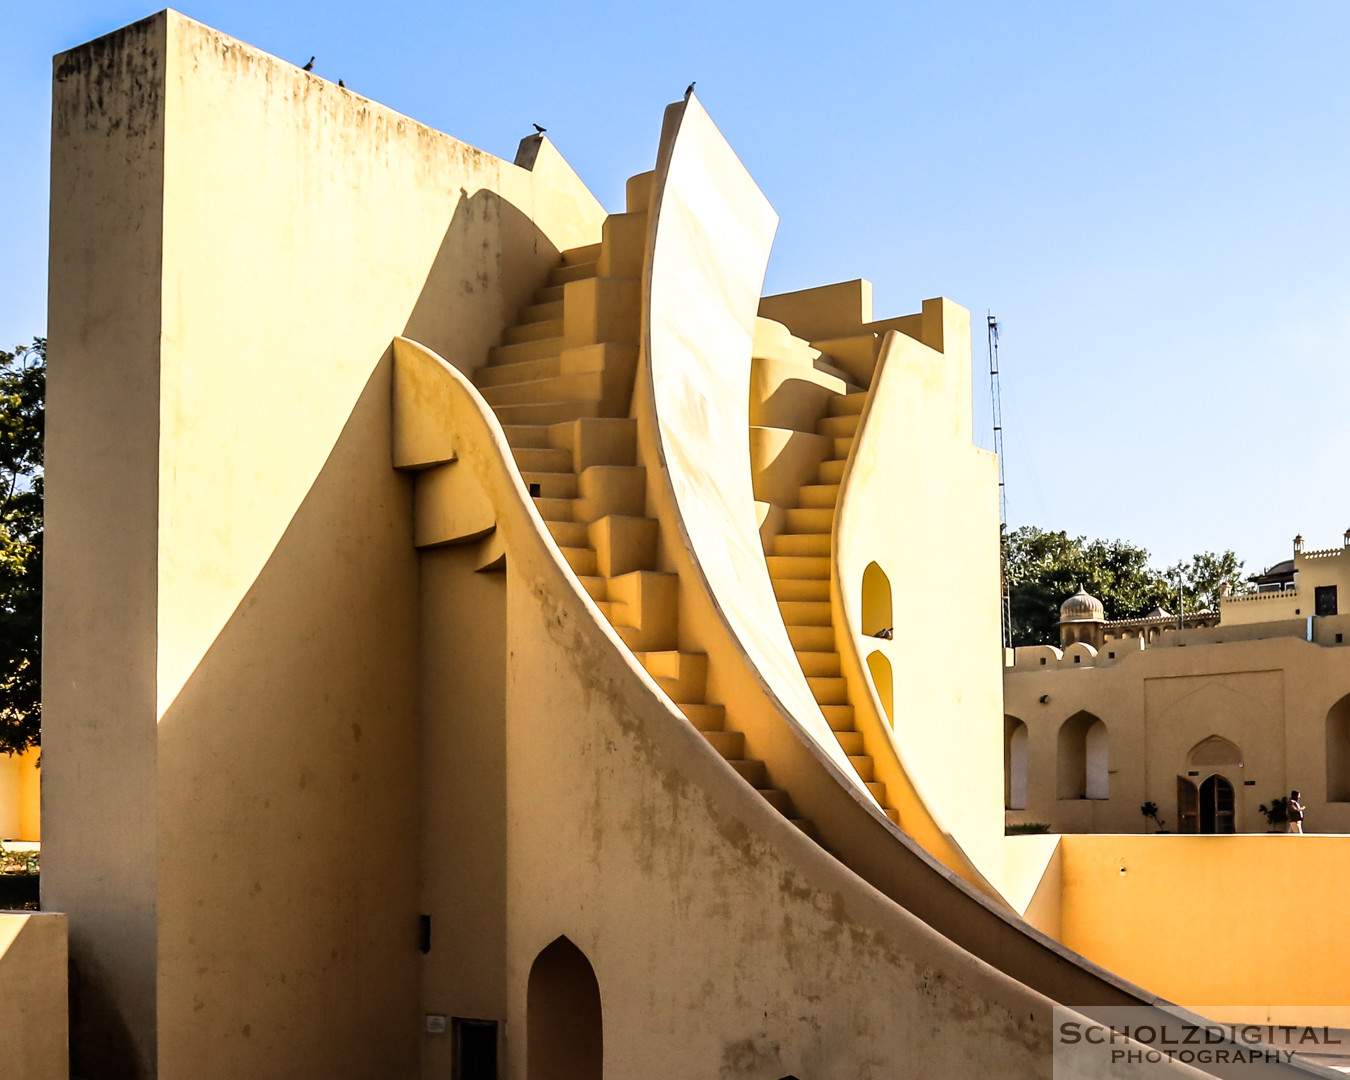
(20, 794)
(33, 996)
(233, 596)
(918, 494)
(1251, 923)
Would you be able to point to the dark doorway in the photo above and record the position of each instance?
(564, 1031)
(1324, 599)
(1216, 806)
(475, 1049)
(1188, 806)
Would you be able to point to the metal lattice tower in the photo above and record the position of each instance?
(996, 403)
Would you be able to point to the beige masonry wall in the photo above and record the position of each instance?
(232, 596)
(1270, 698)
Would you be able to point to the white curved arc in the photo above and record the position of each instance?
(712, 232)
(848, 561)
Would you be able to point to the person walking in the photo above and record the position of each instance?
(1295, 813)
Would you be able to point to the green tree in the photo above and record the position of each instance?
(1205, 574)
(23, 384)
(1043, 568)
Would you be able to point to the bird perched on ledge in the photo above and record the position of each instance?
(539, 129)
(309, 66)
(342, 84)
(688, 91)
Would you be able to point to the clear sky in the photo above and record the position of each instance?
(1152, 197)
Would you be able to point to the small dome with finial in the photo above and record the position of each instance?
(1081, 607)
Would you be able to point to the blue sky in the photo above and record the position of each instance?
(1151, 197)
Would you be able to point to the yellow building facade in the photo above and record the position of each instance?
(1208, 722)
(487, 637)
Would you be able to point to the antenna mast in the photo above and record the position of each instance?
(996, 403)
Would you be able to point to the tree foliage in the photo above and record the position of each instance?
(1044, 568)
(23, 384)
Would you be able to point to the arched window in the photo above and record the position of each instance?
(876, 601)
(1084, 758)
(1014, 763)
(564, 1033)
(880, 668)
(1338, 751)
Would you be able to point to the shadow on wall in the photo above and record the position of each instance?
(453, 316)
(295, 735)
(294, 738)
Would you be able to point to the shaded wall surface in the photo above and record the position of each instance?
(232, 599)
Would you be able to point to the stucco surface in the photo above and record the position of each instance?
(33, 996)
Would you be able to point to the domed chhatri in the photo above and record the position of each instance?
(1081, 617)
(1082, 607)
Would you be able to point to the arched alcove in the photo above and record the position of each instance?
(880, 668)
(1098, 753)
(1338, 751)
(876, 601)
(1213, 751)
(563, 1026)
(1084, 754)
(1014, 763)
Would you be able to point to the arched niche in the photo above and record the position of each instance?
(880, 667)
(1084, 754)
(1338, 751)
(1014, 763)
(564, 1030)
(876, 601)
(1214, 751)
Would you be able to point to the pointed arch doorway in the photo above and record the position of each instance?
(1216, 806)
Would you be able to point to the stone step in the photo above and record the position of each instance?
(805, 612)
(801, 544)
(780, 800)
(842, 447)
(811, 638)
(829, 690)
(819, 665)
(682, 675)
(567, 534)
(838, 427)
(877, 789)
(832, 472)
(532, 313)
(730, 744)
(588, 253)
(581, 560)
(808, 520)
(704, 717)
(839, 717)
(823, 496)
(752, 771)
(583, 386)
(807, 827)
(548, 412)
(525, 371)
(554, 509)
(851, 742)
(532, 331)
(594, 585)
(550, 485)
(542, 459)
(549, 294)
(561, 275)
(862, 764)
(501, 355)
(810, 568)
(526, 436)
(802, 588)
(848, 404)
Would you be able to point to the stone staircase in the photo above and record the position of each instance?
(798, 555)
(561, 384)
